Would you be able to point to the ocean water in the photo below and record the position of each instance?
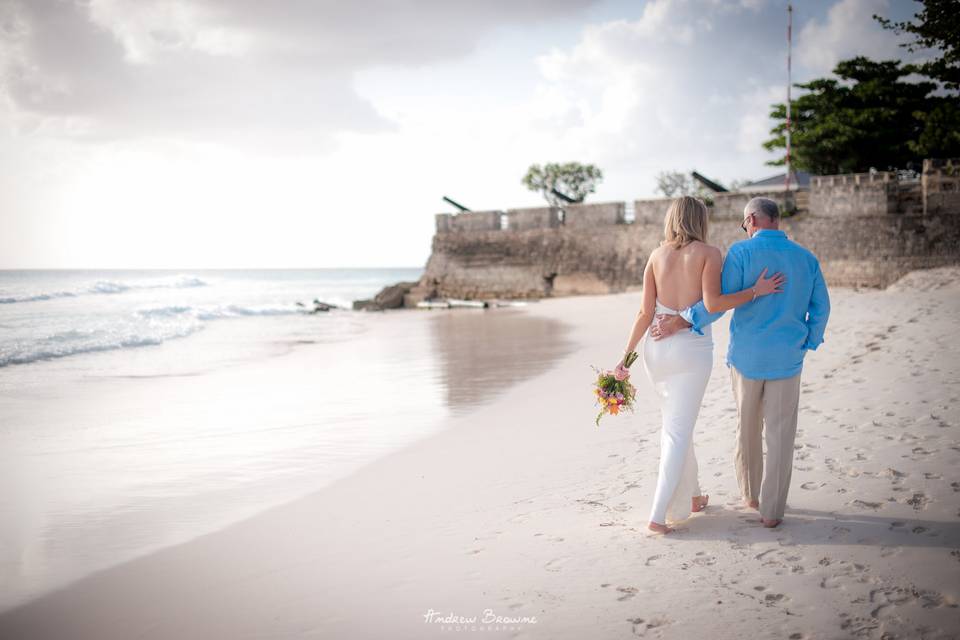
(52, 314)
(141, 409)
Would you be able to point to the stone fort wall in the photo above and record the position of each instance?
(866, 229)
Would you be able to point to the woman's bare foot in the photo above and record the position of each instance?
(770, 524)
(753, 504)
(700, 503)
(660, 528)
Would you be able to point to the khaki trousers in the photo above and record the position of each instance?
(767, 408)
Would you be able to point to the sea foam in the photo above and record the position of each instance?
(109, 287)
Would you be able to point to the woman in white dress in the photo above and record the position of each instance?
(683, 270)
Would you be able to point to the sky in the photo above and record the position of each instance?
(319, 133)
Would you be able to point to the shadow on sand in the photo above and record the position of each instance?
(812, 527)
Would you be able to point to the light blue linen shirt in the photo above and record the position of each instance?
(770, 335)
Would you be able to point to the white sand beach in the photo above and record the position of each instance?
(521, 506)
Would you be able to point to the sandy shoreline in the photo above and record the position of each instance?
(525, 508)
(108, 457)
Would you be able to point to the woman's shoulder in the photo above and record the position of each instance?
(707, 250)
(660, 249)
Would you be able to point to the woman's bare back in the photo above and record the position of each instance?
(678, 273)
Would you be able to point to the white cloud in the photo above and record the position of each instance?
(755, 124)
(230, 71)
(664, 92)
(150, 30)
(847, 31)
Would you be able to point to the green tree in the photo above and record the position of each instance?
(574, 180)
(936, 26)
(940, 137)
(867, 118)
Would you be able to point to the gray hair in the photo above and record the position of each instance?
(766, 206)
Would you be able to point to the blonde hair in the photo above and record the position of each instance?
(686, 221)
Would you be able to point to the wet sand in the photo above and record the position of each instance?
(107, 457)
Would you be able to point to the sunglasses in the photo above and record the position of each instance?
(743, 225)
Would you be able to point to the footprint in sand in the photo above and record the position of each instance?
(641, 626)
(831, 582)
(556, 564)
(886, 599)
(857, 626)
(920, 451)
(895, 475)
(842, 572)
(628, 592)
(919, 501)
(705, 561)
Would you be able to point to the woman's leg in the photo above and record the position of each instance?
(698, 500)
(691, 470)
(683, 395)
(691, 473)
(674, 439)
(685, 498)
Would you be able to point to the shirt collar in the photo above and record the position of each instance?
(768, 233)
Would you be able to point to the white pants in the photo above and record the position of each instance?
(679, 368)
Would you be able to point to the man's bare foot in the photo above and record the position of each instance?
(753, 504)
(660, 528)
(700, 503)
(770, 524)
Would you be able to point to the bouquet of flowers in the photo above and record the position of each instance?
(614, 390)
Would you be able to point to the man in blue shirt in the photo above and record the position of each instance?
(769, 338)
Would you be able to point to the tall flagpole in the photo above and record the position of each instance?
(789, 46)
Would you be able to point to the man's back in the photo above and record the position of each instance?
(769, 336)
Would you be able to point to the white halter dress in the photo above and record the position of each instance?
(679, 368)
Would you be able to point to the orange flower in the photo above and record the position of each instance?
(614, 408)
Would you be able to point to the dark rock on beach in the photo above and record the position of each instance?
(390, 297)
(317, 306)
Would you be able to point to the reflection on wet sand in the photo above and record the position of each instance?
(483, 352)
